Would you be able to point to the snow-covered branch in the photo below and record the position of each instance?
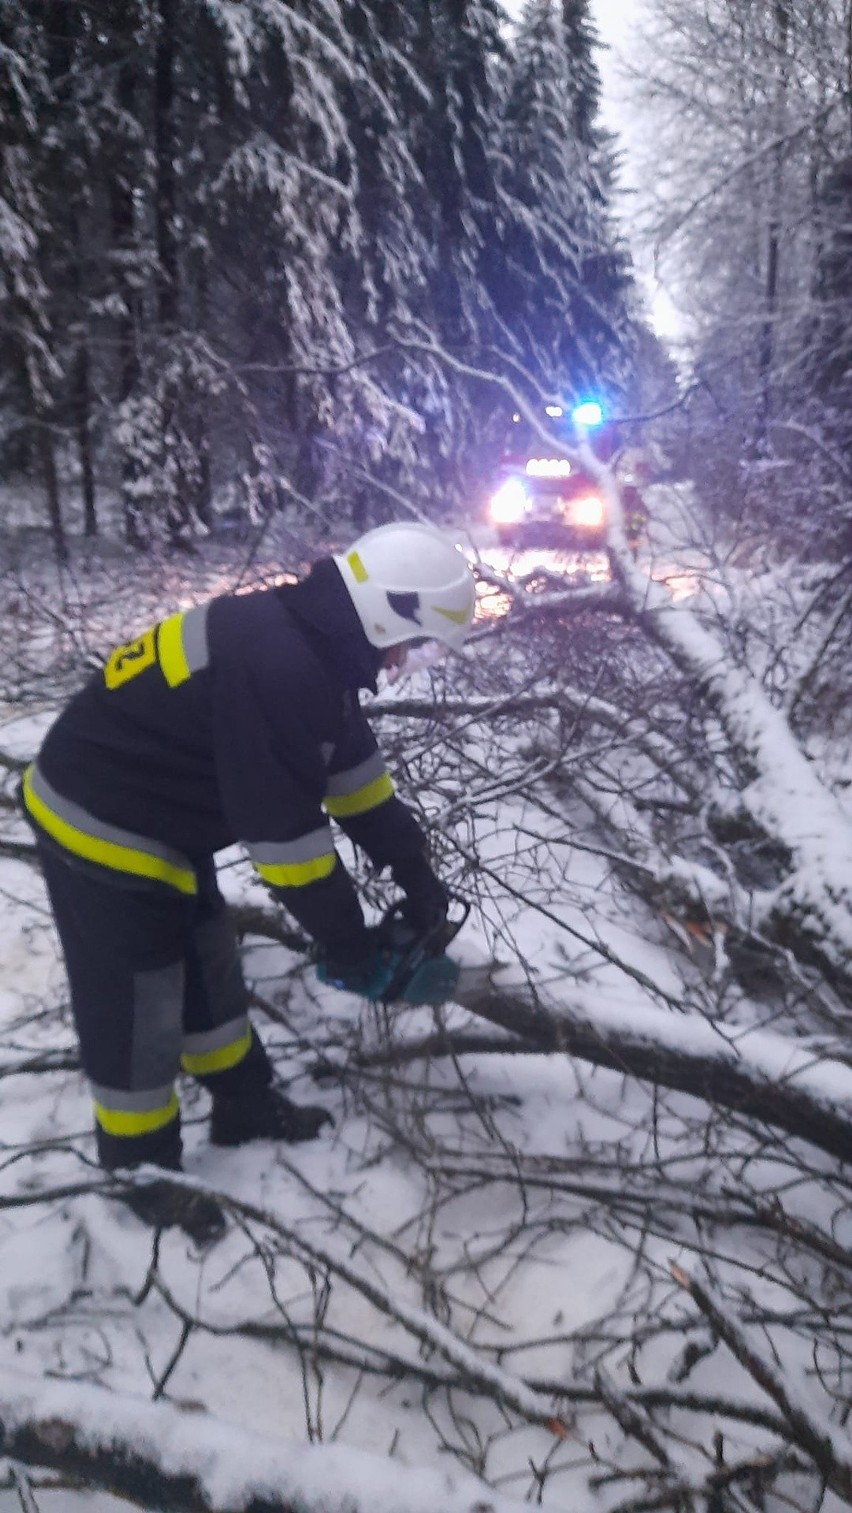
(754, 1072)
(155, 1453)
(829, 1447)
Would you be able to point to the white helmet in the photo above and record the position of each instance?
(409, 580)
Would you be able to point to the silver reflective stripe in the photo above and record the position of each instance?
(214, 1040)
(158, 994)
(353, 778)
(306, 849)
(80, 820)
(194, 637)
(123, 1102)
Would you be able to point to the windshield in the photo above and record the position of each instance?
(522, 440)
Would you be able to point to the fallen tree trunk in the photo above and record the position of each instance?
(166, 1457)
(754, 1073)
(785, 1083)
(781, 792)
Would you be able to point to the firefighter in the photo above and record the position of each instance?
(235, 720)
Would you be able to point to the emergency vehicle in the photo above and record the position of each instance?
(541, 494)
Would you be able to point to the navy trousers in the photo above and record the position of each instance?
(156, 986)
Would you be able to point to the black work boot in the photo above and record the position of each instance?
(264, 1114)
(161, 1204)
(164, 1206)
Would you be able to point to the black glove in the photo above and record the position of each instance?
(362, 964)
(426, 899)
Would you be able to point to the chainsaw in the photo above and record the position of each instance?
(414, 967)
(421, 971)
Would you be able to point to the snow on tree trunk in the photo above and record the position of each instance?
(811, 910)
(156, 1453)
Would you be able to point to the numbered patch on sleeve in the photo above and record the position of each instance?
(128, 661)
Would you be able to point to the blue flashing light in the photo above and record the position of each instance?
(589, 414)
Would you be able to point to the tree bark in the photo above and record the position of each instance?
(121, 180)
(83, 424)
(773, 232)
(159, 1455)
(690, 1055)
(47, 458)
(165, 137)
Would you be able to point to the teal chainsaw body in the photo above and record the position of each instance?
(407, 966)
(422, 972)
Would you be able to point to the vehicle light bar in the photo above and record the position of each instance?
(589, 413)
(548, 467)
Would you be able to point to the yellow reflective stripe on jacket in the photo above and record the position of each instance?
(356, 789)
(294, 864)
(137, 1121)
(341, 805)
(170, 652)
(219, 1059)
(297, 874)
(85, 836)
(182, 645)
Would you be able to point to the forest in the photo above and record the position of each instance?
(273, 273)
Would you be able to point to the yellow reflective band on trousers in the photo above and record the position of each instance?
(342, 805)
(95, 841)
(129, 1122)
(218, 1059)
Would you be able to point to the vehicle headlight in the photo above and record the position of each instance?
(589, 512)
(509, 504)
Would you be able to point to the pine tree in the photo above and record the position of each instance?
(563, 291)
(378, 266)
(458, 50)
(281, 219)
(30, 371)
(253, 230)
(75, 244)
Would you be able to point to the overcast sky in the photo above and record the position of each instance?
(612, 18)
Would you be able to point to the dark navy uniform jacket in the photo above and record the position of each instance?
(236, 720)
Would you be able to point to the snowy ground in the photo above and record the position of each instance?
(69, 1271)
(425, 1202)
